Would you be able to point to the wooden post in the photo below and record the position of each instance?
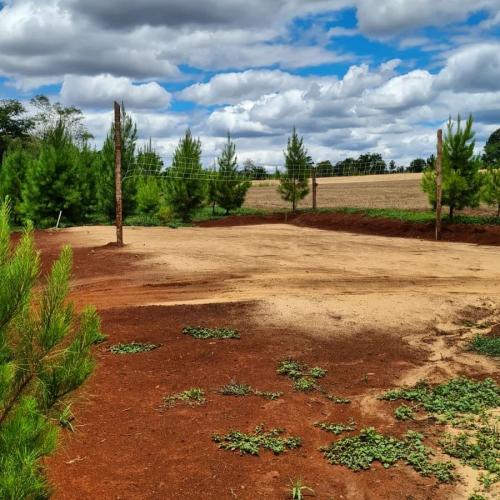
(118, 176)
(439, 183)
(315, 187)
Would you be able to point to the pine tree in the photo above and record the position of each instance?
(490, 191)
(230, 187)
(53, 181)
(294, 184)
(186, 185)
(106, 173)
(44, 355)
(461, 176)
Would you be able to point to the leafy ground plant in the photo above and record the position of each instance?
(199, 332)
(358, 453)
(253, 442)
(403, 412)
(298, 489)
(132, 348)
(486, 344)
(237, 389)
(457, 396)
(192, 397)
(304, 378)
(336, 429)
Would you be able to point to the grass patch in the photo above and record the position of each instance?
(337, 400)
(132, 348)
(236, 389)
(336, 429)
(199, 332)
(358, 452)
(488, 345)
(304, 378)
(403, 412)
(193, 397)
(252, 443)
(457, 396)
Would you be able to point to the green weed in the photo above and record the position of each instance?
(252, 443)
(358, 452)
(199, 332)
(403, 412)
(336, 429)
(298, 488)
(66, 418)
(272, 396)
(337, 400)
(304, 378)
(193, 396)
(486, 344)
(237, 389)
(132, 348)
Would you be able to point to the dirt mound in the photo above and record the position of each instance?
(379, 226)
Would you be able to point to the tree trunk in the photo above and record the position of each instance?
(451, 212)
(294, 201)
(498, 210)
(213, 209)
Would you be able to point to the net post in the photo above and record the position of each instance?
(439, 183)
(314, 188)
(118, 176)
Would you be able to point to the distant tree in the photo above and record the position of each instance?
(392, 166)
(186, 182)
(230, 187)
(106, 171)
(324, 169)
(492, 149)
(431, 162)
(294, 185)
(461, 177)
(490, 191)
(254, 172)
(417, 165)
(13, 123)
(371, 163)
(44, 355)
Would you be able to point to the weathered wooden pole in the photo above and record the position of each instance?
(118, 176)
(315, 188)
(439, 183)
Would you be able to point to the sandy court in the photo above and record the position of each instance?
(301, 276)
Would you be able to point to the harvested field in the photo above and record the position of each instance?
(376, 312)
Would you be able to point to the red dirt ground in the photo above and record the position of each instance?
(362, 224)
(126, 447)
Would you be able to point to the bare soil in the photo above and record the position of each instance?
(375, 312)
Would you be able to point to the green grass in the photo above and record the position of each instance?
(237, 389)
(252, 443)
(304, 378)
(199, 332)
(403, 412)
(359, 452)
(486, 344)
(192, 397)
(457, 396)
(336, 429)
(132, 348)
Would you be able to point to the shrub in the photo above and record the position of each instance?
(44, 355)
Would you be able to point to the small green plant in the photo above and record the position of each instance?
(237, 389)
(66, 418)
(457, 396)
(132, 348)
(486, 344)
(477, 496)
(304, 378)
(253, 442)
(403, 412)
(337, 400)
(298, 488)
(193, 396)
(336, 429)
(199, 332)
(358, 452)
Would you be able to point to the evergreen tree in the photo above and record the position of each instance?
(294, 184)
(230, 187)
(490, 191)
(44, 355)
(106, 174)
(53, 181)
(492, 149)
(461, 176)
(186, 184)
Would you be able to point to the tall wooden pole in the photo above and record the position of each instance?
(118, 176)
(439, 183)
(315, 188)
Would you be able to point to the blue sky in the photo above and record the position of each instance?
(352, 75)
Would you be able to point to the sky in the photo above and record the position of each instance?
(353, 76)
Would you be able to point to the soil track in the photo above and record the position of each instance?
(376, 312)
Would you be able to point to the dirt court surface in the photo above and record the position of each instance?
(376, 312)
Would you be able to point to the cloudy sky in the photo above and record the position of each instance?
(352, 75)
